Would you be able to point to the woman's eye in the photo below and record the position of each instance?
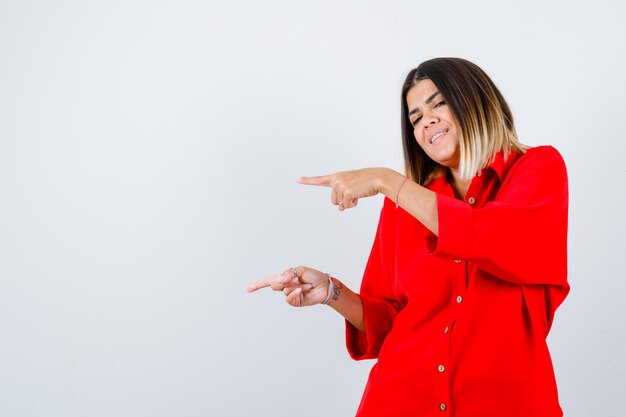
(440, 103)
(416, 121)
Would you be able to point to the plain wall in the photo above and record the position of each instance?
(148, 152)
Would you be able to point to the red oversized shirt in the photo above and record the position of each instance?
(459, 321)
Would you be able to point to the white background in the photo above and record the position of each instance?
(148, 152)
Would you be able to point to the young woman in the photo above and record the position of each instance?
(468, 264)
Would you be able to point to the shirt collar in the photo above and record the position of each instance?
(498, 165)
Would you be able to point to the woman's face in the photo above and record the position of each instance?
(434, 126)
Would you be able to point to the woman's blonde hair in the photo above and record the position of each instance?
(484, 118)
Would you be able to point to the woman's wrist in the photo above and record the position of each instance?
(334, 291)
(347, 303)
(391, 183)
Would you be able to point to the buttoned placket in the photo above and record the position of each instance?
(459, 290)
(443, 374)
(442, 366)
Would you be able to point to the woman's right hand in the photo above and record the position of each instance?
(302, 286)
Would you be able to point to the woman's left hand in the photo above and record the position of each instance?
(348, 186)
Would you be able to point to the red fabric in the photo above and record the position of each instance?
(478, 300)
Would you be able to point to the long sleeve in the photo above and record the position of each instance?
(521, 236)
(379, 304)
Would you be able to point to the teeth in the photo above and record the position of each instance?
(437, 136)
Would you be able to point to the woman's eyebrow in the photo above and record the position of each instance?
(428, 100)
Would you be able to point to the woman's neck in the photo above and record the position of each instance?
(460, 186)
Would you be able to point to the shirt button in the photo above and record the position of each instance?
(459, 299)
(442, 407)
(471, 200)
(441, 368)
(457, 261)
(446, 330)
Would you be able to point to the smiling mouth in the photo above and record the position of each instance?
(437, 136)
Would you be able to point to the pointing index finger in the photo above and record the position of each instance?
(268, 281)
(262, 283)
(323, 180)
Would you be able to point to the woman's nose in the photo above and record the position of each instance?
(430, 119)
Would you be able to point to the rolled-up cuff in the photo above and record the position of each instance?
(378, 317)
(456, 229)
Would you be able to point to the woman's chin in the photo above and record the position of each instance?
(447, 159)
